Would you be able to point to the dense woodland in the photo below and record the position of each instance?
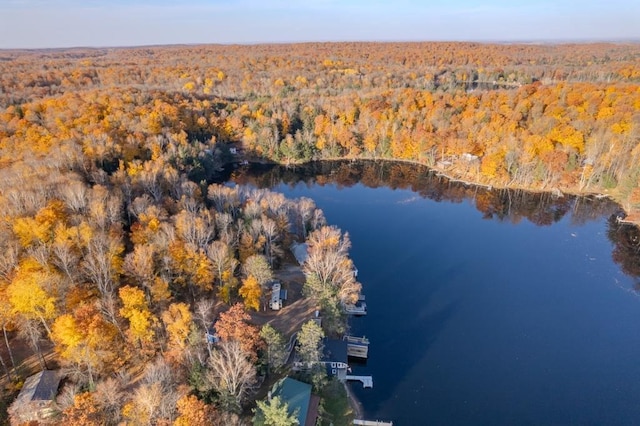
(118, 251)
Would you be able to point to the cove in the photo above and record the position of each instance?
(484, 307)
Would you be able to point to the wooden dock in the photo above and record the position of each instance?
(367, 381)
(357, 351)
(357, 340)
(371, 423)
(360, 308)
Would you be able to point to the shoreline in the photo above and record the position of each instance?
(631, 218)
(355, 404)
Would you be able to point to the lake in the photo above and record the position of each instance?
(484, 307)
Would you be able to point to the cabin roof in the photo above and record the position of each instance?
(42, 386)
(334, 351)
(296, 394)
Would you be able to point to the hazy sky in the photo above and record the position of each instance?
(64, 23)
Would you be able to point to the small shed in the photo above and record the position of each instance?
(36, 400)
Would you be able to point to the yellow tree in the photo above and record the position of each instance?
(85, 340)
(41, 228)
(135, 309)
(178, 322)
(191, 266)
(27, 292)
(251, 291)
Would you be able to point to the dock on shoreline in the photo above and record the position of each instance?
(371, 423)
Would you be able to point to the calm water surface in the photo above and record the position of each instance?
(486, 320)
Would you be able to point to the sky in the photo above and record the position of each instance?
(100, 23)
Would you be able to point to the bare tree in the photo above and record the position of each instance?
(105, 207)
(139, 264)
(257, 266)
(224, 199)
(306, 208)
(40, 253)
(157, 396)
(328, 268)
(8, 260)
(66, 258)
(74, 194)
(203, 311)
(252, 210)
(140, 205)
(270, 231)
(318, 220)
(226, 231)
(196, 229)
(231, 374)
(66, 397)
(31, 331)
(98, 263)
(222, 259)
(109, 396)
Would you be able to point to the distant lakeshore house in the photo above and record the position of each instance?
(297, 395)
(36, 400)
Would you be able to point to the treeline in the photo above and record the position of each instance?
(529, 116)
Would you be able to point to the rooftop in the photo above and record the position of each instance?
(42, 386)
(334, 351)
(296, 394)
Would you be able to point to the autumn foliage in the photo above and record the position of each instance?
(112, 233)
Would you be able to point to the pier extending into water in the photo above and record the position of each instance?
(371, 423)
(367, 381)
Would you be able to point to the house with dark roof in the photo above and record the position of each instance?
(298, 397)
(335, 358)
(36, 400)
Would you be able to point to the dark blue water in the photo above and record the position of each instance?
(494, 321)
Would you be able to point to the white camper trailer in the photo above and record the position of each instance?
(277, 296)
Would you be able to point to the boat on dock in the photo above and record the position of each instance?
(357, 347)
(359, 308)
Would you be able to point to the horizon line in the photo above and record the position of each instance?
(550, 41)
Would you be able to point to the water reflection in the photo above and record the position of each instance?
(539, 208)
(626, 247)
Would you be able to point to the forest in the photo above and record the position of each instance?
(119, 250)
